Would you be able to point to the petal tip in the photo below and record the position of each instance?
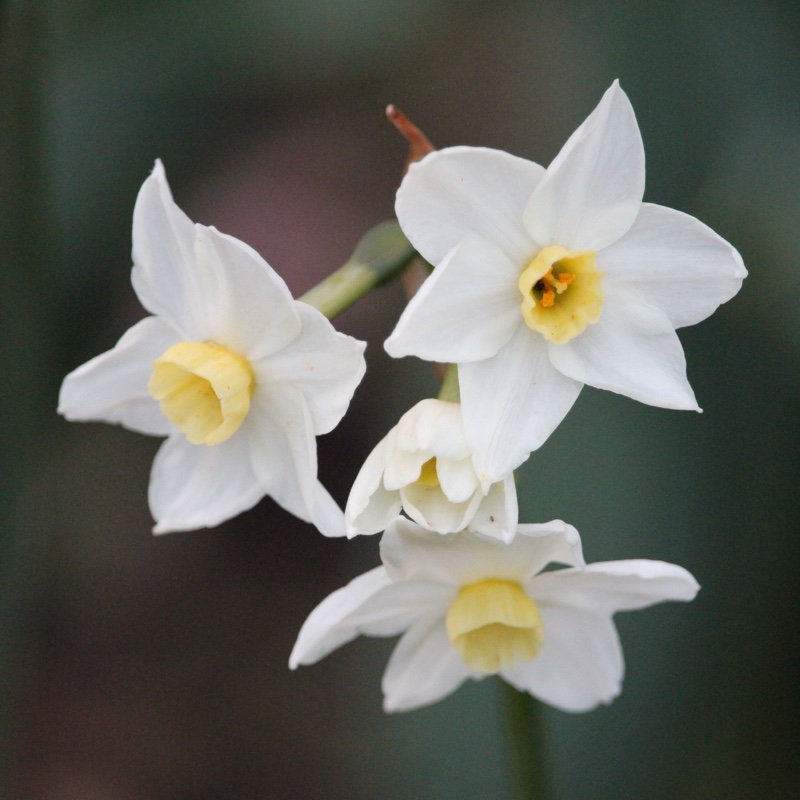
(328, 518)
(161, 527)
(352, 530)
(330, 533)
(616, 90)
(394, 348)
(391, 706)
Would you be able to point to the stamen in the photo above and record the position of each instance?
(565, 278)
(547, 307)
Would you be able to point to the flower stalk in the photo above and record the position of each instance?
(381, 255)
(526, 739)
(450, 391)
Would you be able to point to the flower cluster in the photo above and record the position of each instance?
(544, 280)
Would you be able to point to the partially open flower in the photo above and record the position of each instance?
(546, 280)
(424, 466)
(238, 375)
(470, 606)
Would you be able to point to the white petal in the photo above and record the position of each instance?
(409, 552)
(284, 455)
(554, 541)
(244, 303)
(400, 605)
(371, 605)
(592, 190)
(608, 587)
(677, 263)
(403, 467)
(324, 629)
(199, 486)
(467, 190)
(164, 274)
(511, 403)
(383, 507)
(113, 386)
(435, 426)
(429, 507)
(370, 507)
(209, 285)
(466, 310)
(326, 366)
(632, 350)
(457, 478)
(580, 664)
(498, 513)
(423, 668)
(326, 514)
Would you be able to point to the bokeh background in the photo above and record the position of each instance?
(138, 667)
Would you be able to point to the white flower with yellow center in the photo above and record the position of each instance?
(424, 466)
(547, 280)
(471, 606)
(239, 376)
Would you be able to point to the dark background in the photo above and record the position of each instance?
(136, 667)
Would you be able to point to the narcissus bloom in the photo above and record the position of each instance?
(238, 375)
(547, 280)
(471, 606)
(424, 466)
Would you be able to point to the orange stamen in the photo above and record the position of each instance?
(549, 285)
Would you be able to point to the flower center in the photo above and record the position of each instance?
(562, 293)
(493, 625)
(427, 473)
(204, 389)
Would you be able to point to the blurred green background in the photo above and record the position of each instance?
(136, 667)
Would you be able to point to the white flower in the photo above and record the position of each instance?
(238, 375)
(424, 466)
(472, 606)
(550, 279)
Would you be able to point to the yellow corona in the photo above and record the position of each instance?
(427, 474)
(562, 293)
(493, 625)
(204, 389)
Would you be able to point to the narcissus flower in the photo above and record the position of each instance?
(547, 280)
(424, 466)
(471, 606)
(238, 375)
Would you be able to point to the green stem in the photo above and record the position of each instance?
(381, 255)
(450, 390)
(527, 745)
